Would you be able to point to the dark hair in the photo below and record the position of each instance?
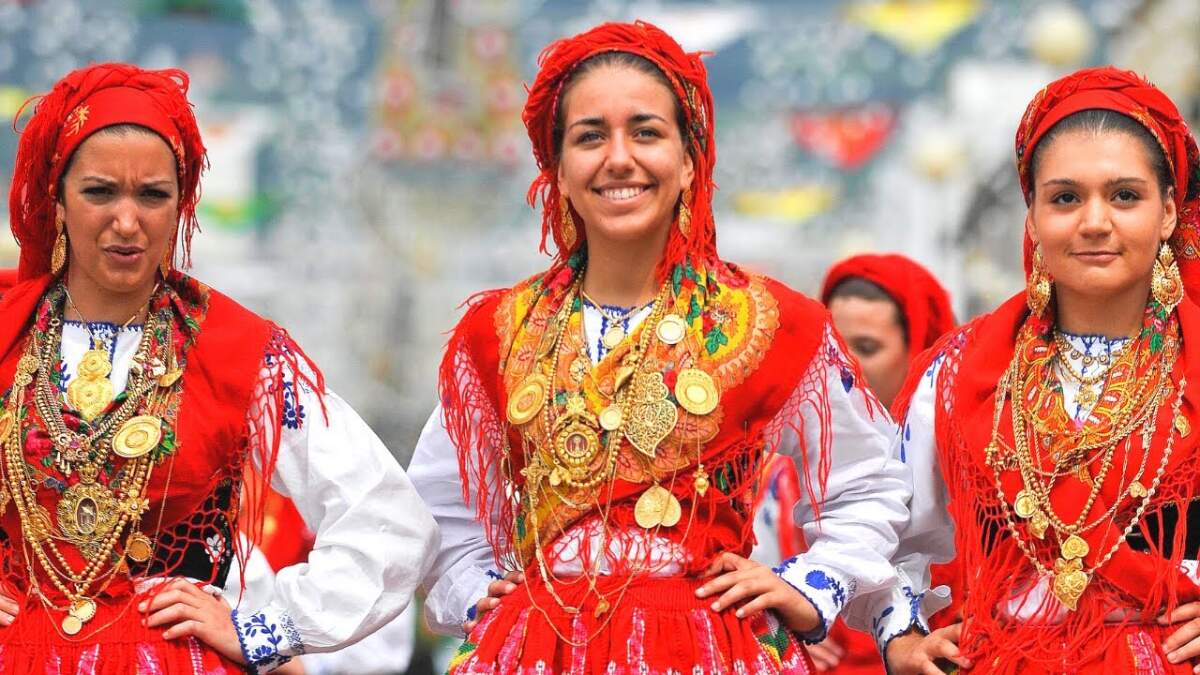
(619, 59)
(858, 287)
(1098, 121)
(123, 129)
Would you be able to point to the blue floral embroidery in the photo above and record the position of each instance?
(847, 379)
(260, 640)
(823, 582)
(906, 436)
(293, 410)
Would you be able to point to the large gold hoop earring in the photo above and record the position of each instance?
(1038, 285)
(568, 223)
(1166, 285)
(58, 255)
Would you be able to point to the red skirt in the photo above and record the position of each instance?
(33, 645)
(1133, 650)
(658, 626)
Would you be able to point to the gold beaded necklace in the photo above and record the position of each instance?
(91, 516)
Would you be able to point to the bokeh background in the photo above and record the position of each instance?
(369, 166)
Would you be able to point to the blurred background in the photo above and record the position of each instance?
(369, 166)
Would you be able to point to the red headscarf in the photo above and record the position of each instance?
(923, 302)
(1122, 91)
(1130, 584)
(82, 103)
(689, 83)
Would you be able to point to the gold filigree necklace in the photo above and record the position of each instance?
(91, 391)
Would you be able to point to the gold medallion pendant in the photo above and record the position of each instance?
(91, 392)
(576, 446)
(1182, 425)
(696, 391)
(1070, 581)
(527, 399)
(671, 329)
(1038, 524)
(611, 418)
(1025, 505)
(138, 547)
(653, 416)
(657, 506)
(613, 336)
(87, 513)
(1074, 548)
(83, 609)
(71, 624)
(137, 436)
(1137, 490)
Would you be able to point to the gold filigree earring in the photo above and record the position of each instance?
(1038, 285)
(1166, 286)
(685, 213)
(58, 255)
(568, 223)
(168, 258)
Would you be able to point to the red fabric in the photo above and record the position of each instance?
(990, 567)
(689, 81)
(79, 105)
(661, 627)
(923, 301)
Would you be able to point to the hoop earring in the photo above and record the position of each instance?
(58, 255)
(1166, 285)
(1038, 285)
(685, 213)
(568, 223)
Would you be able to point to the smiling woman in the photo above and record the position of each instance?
(142, 414)
(610, 417)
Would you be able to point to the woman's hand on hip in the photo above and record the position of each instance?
(496, 590)
(186, 610)
(753, 587)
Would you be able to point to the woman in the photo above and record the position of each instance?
(888, 309)
(1063, 421)
(610, 416)
(134, 397)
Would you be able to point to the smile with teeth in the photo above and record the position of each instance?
(618, 194)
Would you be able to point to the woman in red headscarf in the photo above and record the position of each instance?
(603, 424)
(134, 400)
(1063, 422)
(888, 309)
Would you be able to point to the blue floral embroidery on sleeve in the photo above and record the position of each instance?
(293, 410)
(906, 436)
(877, 624)
(260, 640)
(823, 582)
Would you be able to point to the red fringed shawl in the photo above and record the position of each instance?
(762, 372)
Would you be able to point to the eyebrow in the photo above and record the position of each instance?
(636, 118)
(161, 182)
(1123, 180)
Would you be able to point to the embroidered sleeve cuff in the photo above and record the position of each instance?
(825, 588)
(269, 639)
(906, 609)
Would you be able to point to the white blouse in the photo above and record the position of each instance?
(374, 537)
(865, 503)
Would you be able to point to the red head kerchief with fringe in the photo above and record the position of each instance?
(689, 83)
(82, 103)
(923, 302)
(1129, 590)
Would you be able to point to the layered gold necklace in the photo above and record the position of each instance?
(582, 446)
(1145, 388)
(92, 515)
